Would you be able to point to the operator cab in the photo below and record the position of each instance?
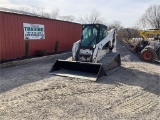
(92, 34)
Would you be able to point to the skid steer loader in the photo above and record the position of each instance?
(92, 55)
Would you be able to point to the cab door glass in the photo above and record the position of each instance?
(89, 36)
(103, 33)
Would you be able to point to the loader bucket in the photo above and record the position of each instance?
(84, 70)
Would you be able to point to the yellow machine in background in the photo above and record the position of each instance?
(149, 49)
(145, 34)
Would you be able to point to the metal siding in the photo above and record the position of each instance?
(1, 37)
(58, 35)
(6, 36)
(12, 43)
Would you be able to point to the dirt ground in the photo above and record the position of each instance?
(28, 92)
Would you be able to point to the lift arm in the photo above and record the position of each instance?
(145, 34)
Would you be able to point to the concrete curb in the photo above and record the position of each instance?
(20, 62)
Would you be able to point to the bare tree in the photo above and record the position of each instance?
(67, 18)
(151, 17)
(128, 33)
(55, 13)
(33, 10)
(24, 8)
(93, 17)
(40, 11)
(122, 34)
(115, 24)
(140, 25)
(46, 14)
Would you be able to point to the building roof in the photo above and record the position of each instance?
(7, 10)
(17, 12)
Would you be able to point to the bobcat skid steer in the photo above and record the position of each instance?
(92, 55)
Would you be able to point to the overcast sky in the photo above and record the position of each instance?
(126, 11)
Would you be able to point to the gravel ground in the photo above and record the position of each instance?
(28, 92)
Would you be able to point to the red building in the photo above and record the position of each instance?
(12, 36)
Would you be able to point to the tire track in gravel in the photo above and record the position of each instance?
(130, 105)
(39, 94)
(135, 104)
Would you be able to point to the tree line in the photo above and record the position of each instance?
(150, 19)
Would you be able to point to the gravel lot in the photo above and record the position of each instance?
(28, 92)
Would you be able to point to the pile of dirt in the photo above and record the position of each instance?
(126, 55)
